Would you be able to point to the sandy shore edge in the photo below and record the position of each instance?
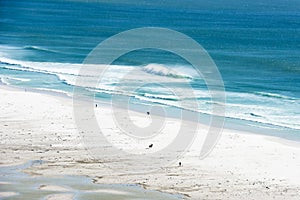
(242, 166)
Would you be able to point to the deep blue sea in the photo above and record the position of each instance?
(256, 46)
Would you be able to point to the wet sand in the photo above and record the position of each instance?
(17, 185)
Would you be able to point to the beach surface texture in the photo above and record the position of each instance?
(40, 126)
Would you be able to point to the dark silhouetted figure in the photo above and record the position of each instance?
(148, 113)
(180, 164)
(96, 105)
(151, 145)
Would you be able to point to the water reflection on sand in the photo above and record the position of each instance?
(16, 185)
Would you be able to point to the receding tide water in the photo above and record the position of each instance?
(255, 46)
(21, 186)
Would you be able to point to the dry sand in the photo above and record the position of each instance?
(37, 126)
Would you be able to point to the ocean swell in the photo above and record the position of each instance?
(161, 70)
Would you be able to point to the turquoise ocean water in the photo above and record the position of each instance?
(255, 45)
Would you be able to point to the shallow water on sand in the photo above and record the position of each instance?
(16, 185)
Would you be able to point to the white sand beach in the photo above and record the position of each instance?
(38, 126)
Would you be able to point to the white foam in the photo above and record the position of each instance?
(163, 70)
(262, 107)
(56, 91)
(16, 78)
(267, 94)
(68, 79)
(4, 81)
(44, 67)
(162, 96)
(40, 49)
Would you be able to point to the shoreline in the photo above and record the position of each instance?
(236, 124)
(40, 126)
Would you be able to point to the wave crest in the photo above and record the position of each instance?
(36, 48)
(162, 70)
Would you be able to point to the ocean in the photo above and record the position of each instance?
(256, 47)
